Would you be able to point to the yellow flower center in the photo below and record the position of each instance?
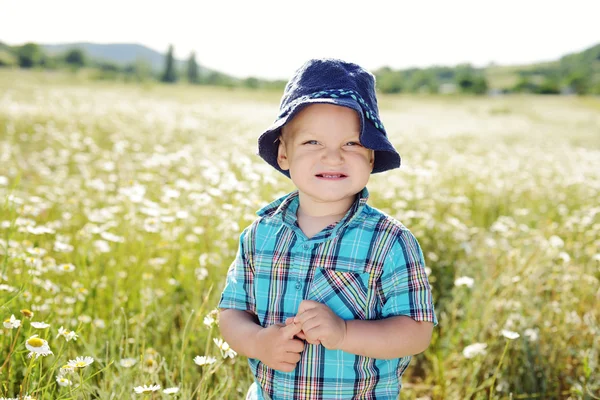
(35, 342)
(66, 267)
(80, 364)
(27, 313)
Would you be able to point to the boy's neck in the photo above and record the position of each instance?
(310, 209)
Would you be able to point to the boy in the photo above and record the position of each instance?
(327, 297)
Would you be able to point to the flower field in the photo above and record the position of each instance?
(121, 206)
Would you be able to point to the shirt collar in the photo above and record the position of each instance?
(284, 209)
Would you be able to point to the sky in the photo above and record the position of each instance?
(272, 38)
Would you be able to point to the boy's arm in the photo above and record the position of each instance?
(239, 328)
(392, 337)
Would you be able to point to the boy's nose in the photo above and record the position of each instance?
(333, 156)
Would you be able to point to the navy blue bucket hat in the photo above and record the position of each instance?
(338, 82)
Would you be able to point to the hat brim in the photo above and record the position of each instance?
(386, 156)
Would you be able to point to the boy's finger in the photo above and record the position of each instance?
(307, 305)
(300, 335)
(293, 329)
(289, 320)
(305, 316)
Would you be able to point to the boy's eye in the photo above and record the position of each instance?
(311, 142)
(353, 144)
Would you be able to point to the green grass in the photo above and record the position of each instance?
(151, 186)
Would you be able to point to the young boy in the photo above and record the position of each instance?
(327, 297)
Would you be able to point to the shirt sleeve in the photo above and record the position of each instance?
(405, 289)
(239, 286)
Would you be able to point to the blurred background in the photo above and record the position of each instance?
(442, 47)
(128, 170)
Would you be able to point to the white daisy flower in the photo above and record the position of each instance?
(40, 325)
(66, 369)
(67, 334)
(464, 281)
(209, 320)
(474, 350)
(229, 353)
(532, 334)
(509, 334)
(226, 350)
(12, 322)
(171, 390)
(204, 360)
(112, 237)
(146, 389)
(68, 267)
(127, 362)
(37, 347)
(37, 251)
(62, 381)
(80, 362)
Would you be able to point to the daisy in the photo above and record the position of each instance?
(37, 346)
(474, 350)
(146, 389)
(39, 325)
(209, 320)
(68, 335)
(464, 281)
(80, 362)
(509, 334)
(171, 390)
(204, 360)
(65, 267)
(62, 381)
(226, 351)
(127, 362)
(12, 322)
(66, 369)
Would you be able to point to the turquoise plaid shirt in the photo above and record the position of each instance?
(366, 266)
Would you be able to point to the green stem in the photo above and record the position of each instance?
(497, 370)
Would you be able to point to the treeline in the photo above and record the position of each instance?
(577, 73)
(32, 55)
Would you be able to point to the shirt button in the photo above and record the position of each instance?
(306, 246)
(298, 286)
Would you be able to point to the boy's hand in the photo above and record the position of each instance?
(320, 325)
(277, 348)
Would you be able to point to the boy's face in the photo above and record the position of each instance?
(320, 147)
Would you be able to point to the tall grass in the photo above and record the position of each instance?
(121, 208)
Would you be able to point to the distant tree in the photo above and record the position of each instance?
(549, 86)
(389, 81)
(579, 82)
(251, 82)
(470, 80)
(7, 59)
(192, 69)
(140, 70)
(170, 74)
(29, 55)
(525, 85)
(75, 58)
(423, 81)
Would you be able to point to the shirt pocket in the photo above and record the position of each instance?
(345, 293)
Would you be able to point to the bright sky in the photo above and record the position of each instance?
(272, 38)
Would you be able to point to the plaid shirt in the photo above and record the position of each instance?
(367, 266)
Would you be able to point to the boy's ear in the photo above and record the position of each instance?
(282, 158)
(372, 160)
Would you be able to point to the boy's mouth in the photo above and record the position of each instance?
(330, 175)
